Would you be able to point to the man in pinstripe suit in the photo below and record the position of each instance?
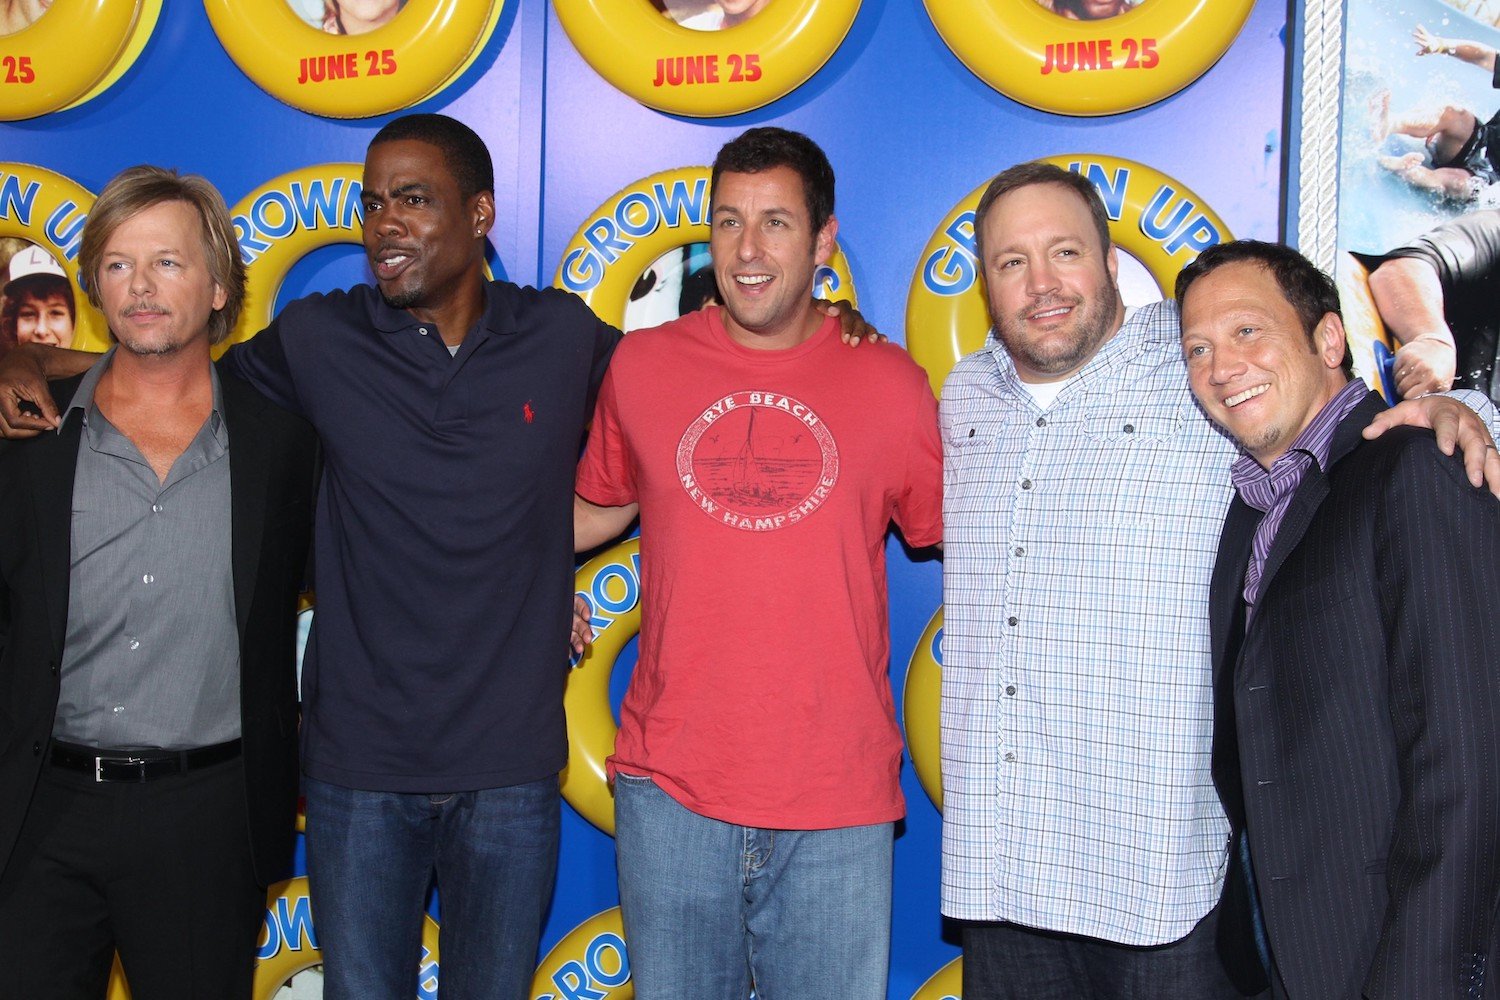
(1357, 700)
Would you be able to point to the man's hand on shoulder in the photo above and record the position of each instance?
(26, 406)
(1453, 424)
(853, 330)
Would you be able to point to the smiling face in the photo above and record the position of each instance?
(1052, 293)
(154, 283)
(765, 256)
(1250, 361)
(423, 238)
(44, 319)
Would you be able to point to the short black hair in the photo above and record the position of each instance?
(767, 148)
(1310, 292)
(1031, 173)
(467, 156)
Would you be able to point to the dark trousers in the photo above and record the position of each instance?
(159, 870)
(1008, 962)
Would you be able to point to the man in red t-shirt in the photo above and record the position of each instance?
(756, 770)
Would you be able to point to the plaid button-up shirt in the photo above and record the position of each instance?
(1077, 710)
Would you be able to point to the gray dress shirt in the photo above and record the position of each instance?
(152, 651)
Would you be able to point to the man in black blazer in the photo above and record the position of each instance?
(1354, 631)
(151, 552)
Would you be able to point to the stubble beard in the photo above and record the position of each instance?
(404, 300)
(1091, 328)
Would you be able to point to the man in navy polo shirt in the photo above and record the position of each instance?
(451, 412)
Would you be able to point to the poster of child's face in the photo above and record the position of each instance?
(678, 282)
(38, 305)
(1090, 10)
(347, 17)
(710, 15)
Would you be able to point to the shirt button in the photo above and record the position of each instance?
(1041, 421)
(1010, 689)
(1013, 620)
(118, 709)
(422, 330)
(1025, 484)
(156, 508)
(1019, 551)
(135, 644)
(1010, 758)
(1130, 428)
(148, 578)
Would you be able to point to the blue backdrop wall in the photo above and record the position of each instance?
(911, 132)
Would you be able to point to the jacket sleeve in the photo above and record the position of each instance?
(1438, 563)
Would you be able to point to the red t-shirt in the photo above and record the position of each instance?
(766, 481)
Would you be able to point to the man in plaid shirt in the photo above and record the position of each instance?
(1084, 846)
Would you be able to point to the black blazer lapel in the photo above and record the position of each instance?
(54, 464)
(1314, 487)
(1226, 592)
(53, 459)
(248, 477)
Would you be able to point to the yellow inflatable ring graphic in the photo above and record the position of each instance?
(706, 74)
(424, 49)
(288, 946)
(284, 219)
(640, 222)
(611, 583)
(75, 51)
(1083, 68)
(1370, 343)
(49, 210)
(590, 961)
(921, 700)
(945, 984)
(1154, 218)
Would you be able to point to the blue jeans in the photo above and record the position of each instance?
(372, 856)
(711, 908)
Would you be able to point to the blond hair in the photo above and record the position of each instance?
(133, 191)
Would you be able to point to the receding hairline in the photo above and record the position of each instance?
(1076, 197)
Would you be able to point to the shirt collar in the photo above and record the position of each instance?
(1261, 487)
(83, 397)
(498, 316)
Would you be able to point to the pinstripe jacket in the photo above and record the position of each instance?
(1357, 721)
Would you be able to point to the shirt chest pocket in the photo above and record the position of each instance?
(1131, 422)
(1135, 446)
(970, 464)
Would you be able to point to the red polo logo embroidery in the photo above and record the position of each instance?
(528, 412)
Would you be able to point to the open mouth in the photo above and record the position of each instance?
(389, 263)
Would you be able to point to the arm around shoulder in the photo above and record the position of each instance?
(26, 407)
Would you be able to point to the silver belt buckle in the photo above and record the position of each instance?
(139, 763)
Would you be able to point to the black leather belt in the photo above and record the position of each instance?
(139, 765)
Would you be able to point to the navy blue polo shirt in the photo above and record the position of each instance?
(444, 532)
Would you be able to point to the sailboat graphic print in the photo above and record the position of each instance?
(758, 461)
